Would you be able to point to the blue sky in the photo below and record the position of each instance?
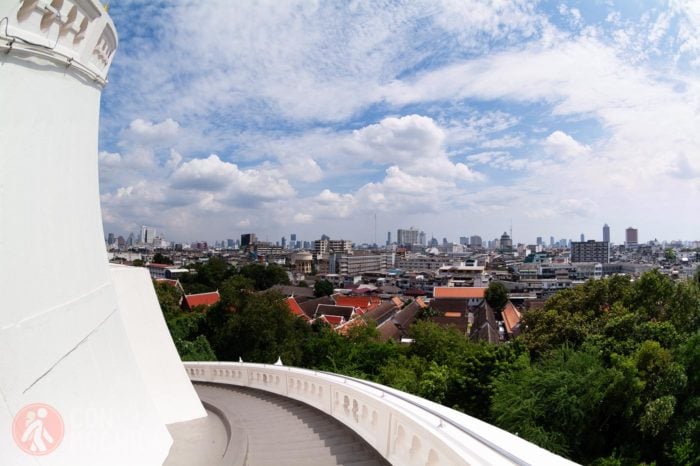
(455, 117)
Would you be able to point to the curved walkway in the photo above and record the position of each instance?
(268, 429)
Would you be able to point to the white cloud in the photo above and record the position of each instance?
(501, 160)
(398, 108)
(152, 134)
(560, 144)
(109, 159)
(214, 175)
(300, 217)
(413, 142)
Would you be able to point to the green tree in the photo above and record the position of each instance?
(497, 296)
(159, 258)
(185, 328)
(265, 276)
(323, 288)
(262, 330)
(670, 255)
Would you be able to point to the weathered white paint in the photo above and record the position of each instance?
(405, 429)
(62, 337)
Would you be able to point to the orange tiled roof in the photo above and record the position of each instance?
(511, 317)
(343, 329)
(202, 299)
(459, 292)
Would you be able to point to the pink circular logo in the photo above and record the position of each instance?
(38, 429)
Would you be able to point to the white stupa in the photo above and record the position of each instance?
(76, 335)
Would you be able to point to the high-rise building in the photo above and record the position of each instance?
(422, 238)
(407, 237)
(388, 238)
(583, 237)
(606, 233)
(464, 241)
(247, 239)
(506, 244)
(539, 241)
(475, 241)
(148, 234)
(327, 246)
(590, 251)
(551, 241)
(631, 237)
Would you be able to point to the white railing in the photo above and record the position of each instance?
(404, 429)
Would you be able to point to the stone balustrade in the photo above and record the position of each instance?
(404, 429)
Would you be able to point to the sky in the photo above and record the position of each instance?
(456, 117)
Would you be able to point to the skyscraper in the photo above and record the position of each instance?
(407, 237)
(147, 234)
(631, 237)
(247, 239)
(506, 243)
(606, 233)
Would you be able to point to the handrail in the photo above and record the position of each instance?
(405, 429)
(443, 418)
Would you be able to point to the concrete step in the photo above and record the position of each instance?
(284, 432)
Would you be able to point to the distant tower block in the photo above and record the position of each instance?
(62, 336)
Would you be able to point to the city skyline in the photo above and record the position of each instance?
(460, 117)
(229, 238)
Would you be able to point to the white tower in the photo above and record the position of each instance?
(67, 321)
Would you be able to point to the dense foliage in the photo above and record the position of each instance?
(606, 373)
(496, 296)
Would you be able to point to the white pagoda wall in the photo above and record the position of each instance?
(63, 340)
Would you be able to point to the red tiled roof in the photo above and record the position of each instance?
(295, 309)
(363, 302)
(421, 303)
(201, 299)
(332, 320)
(462, 292)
